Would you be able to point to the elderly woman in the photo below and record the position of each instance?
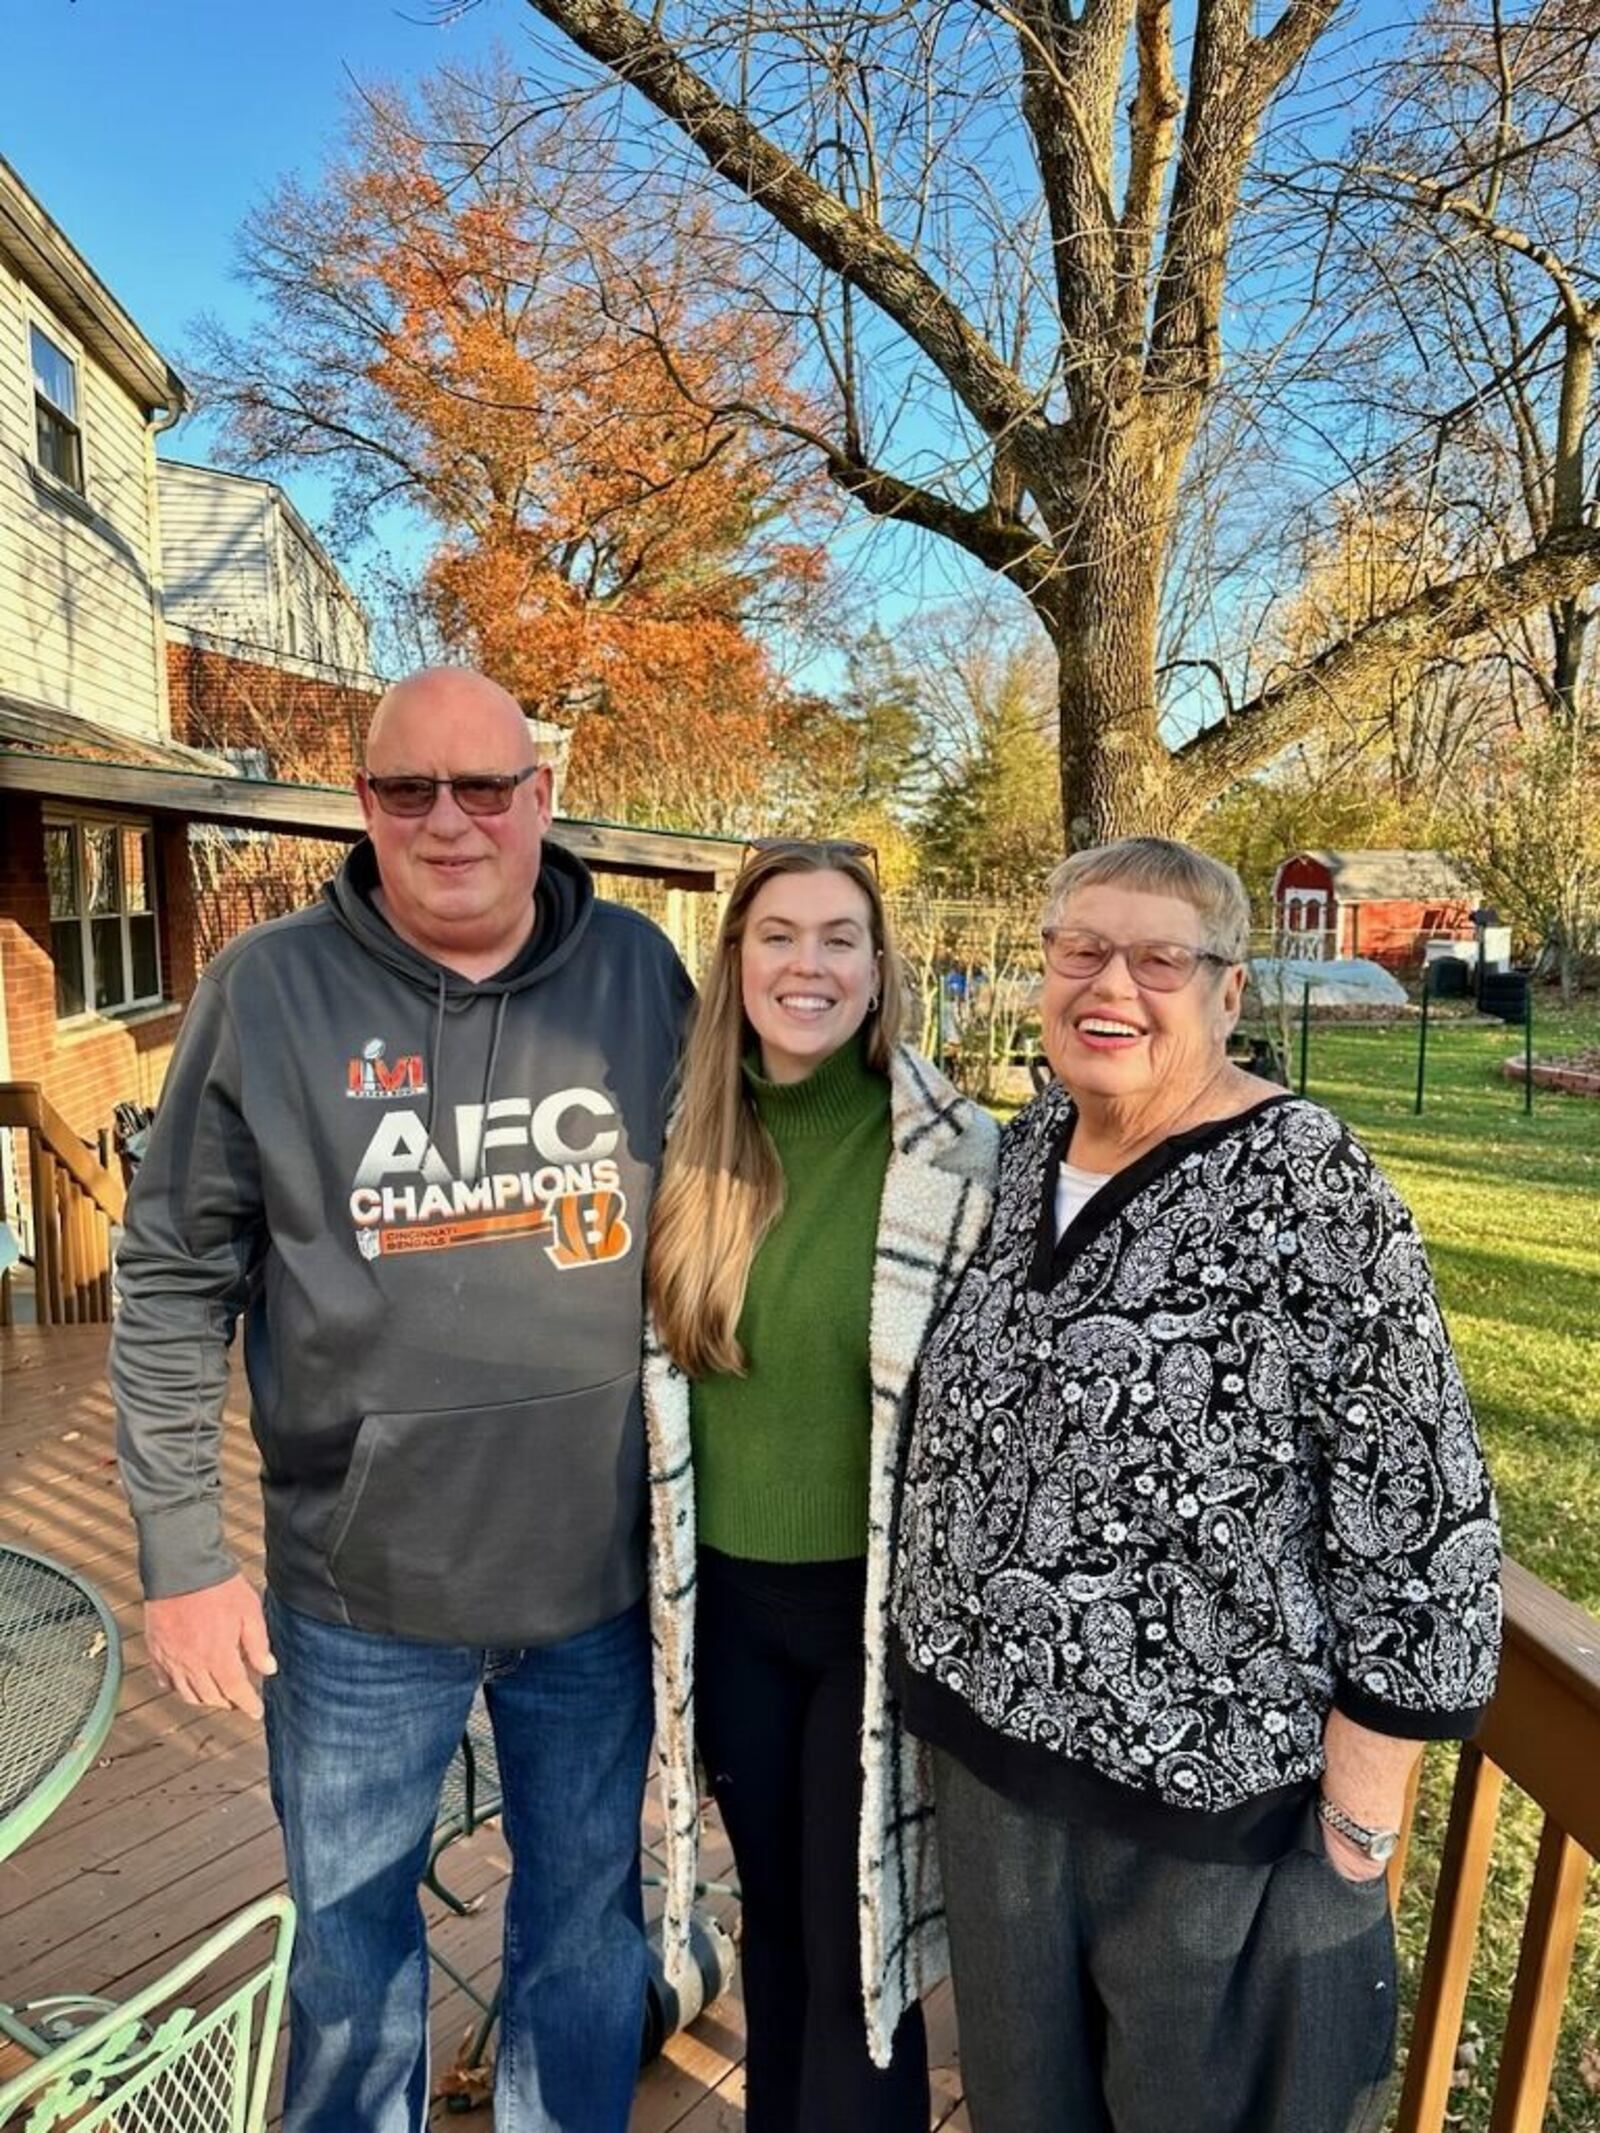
(1197, 1547)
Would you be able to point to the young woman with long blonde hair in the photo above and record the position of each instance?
(822, 1189)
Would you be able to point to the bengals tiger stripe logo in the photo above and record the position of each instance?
(590, 1229)
(587, 1229)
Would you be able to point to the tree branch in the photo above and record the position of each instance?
(1349, 671)
(1291, 38)
(1070, 76)
(840, 237)
(1232, 78)
(1006, 544)
(1441, 200)
(1152, 130)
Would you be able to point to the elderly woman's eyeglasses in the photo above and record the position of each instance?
(1154, 966)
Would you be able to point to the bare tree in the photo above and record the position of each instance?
(1017, 286)
(1473, 202)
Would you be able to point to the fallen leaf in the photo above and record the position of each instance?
(473, 2084)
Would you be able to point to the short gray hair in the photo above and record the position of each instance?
(1161, 866)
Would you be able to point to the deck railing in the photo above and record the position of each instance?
(73, 1201)
(1543, 1733)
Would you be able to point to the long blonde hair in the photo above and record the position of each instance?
(721, 1186)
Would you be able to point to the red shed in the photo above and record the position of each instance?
(1383, 905)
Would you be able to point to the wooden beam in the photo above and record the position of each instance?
(245, 803)
(1542, 1726)
(703, 864)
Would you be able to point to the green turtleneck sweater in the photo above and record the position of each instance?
(780, 1455)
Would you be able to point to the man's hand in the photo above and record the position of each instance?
(211, 1645)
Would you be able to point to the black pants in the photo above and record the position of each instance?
(779, 1691)
(1103, 1987)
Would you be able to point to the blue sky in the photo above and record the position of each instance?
(148, 128)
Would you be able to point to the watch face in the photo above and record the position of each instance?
(1384, 1845)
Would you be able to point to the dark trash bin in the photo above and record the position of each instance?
(1504, 993)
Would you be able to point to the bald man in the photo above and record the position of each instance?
(409, 1136)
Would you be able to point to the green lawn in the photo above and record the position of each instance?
(1510, 1208)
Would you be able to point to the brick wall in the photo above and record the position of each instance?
(87, 1066)
(311, 729)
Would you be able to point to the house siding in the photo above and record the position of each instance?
(216, 553)
(79, 578)
(239, 565)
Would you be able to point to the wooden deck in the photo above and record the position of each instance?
(172, 1832)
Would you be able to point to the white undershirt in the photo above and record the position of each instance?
(1075, 1188)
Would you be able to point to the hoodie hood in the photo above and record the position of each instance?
(563, 898)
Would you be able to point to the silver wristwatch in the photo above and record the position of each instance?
(1378, 1844)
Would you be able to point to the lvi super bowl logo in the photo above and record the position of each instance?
(374, 1076)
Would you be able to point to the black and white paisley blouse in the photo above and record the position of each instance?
(1182, 1479)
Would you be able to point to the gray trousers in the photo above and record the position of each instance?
(1104, 1987)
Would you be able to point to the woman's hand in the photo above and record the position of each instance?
(1365, 1775)
(1348, 1860)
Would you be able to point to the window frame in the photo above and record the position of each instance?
(130, 1003)
(36, 319)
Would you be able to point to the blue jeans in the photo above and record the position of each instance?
(360, 1730)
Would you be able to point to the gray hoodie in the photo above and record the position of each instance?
(426, 1198)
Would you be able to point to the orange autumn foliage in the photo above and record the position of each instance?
(547, 353)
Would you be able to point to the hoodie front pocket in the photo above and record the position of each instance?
(508, 1525)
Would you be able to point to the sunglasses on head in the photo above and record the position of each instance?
(487, 792)
(831, 850)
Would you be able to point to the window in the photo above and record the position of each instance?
(55, 407)
(249, 762)
(102, 915)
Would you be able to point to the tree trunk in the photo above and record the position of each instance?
(1104, 615)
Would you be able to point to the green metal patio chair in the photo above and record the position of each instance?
(170, 2059)
(469, 1799)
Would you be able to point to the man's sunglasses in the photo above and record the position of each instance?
(488, 792)
(1154, 966)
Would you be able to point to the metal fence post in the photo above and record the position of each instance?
(1422, 1043)
(1305, 1031)
(1527, 1050)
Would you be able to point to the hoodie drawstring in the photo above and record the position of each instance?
(440, 1010)
(435, 1050)
(488, 1072)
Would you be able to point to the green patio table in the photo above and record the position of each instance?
(60, 1668)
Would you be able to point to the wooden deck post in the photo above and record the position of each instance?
(1534, 2024)
(1452, 1940)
